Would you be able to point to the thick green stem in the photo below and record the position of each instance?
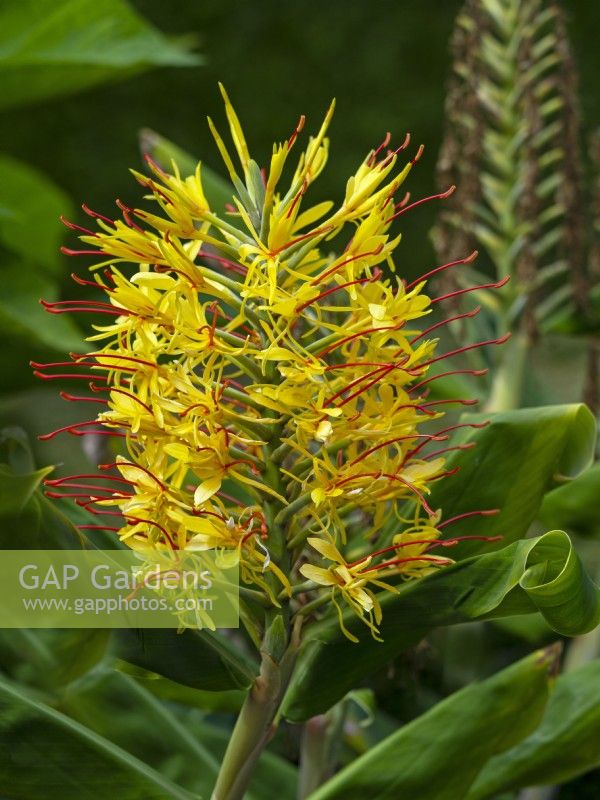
(507, 386)
(255, 725)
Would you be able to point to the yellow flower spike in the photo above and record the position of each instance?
(263, 387)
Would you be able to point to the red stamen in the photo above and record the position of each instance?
(59, 481)
(394, 562)
(431, 328)
(96, 215)
(117, 464)
(74, 398)
(333, 289)
(75, 227)
(487, 513)
(468, 446)
(69, 252)
(476, 372)
(439, 196)
(466, 260)
(151, 522)
(496, 285)
(368, 452)
(294, 136)
(353, 336)
(464, 349)
(93, 284)
(335, 267)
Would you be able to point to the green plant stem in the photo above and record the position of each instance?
(319, 745)
(507, 386)
(255, 725)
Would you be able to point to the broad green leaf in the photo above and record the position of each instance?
(199, 659)
(563, 746)
(543, 574)
(35, 203)
(218, 191)
(45, 755)
(517, 459)
(178, 741)
(575, 506)
(53, 49)
(438, 755)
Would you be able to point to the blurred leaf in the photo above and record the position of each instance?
(199, 659)
(218, 191)
(32, 228)
(563, 746)
(16, 490)
(54, 49)
(438, 755)
(15, 450)
(180, 741)
(47, 659)
(575, 506)
(542, 574)
(118, 708)
(227, 700)
(45, 755)
(32, 332)
(517, 459)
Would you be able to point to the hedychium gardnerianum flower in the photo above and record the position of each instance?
(243, 350)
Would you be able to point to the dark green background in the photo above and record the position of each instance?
(386, 63)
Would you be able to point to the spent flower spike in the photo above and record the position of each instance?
(236, 349)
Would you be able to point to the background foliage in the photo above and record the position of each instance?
(79, 80)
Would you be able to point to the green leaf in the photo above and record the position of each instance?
(33, 333)
(438, 755)
(575, 506)
(118, 708)
(179, 741)
(562, 747)
(199, 659)
(31, 228)
(542, 574)
(54, 49)
(45, 755)
(517, 459)
(218, 191)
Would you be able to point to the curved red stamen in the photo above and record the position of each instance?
(93, 284)
(486, 513)
(118, 464)
(353, 336)
(335, 267)
(59, 481)
(234, 266)
(75, 398)
(72, 428)
(468, 446)
(458, 292)
(476, 372)
(396, 561)
(294, 136)
(499, 340)
(431, 328)
(96, 215)
(156, 525)
(466, 260)
(376, 276)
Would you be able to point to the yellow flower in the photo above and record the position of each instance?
(260, 388)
